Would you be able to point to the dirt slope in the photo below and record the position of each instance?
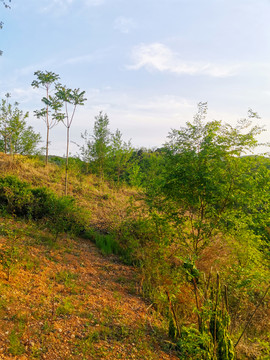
(65, 300)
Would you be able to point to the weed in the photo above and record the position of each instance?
(86, 345)
(16, 346)
(65, 308)
(37, 351)
(105, 242)
(66, 277)
(31, 263)
(47, 327)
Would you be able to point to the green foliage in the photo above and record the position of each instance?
(195, 345)
(219, 321)
(205, 185)
(211, 340)
(15, 136)
(66, 216)
(146, 167)
(68, 97)
(62, 214)
(66, 277)
(119, 157)
(106, 154)
(97, 146)
(16, 346)
(15, 196)
(65, 308)
(49, 114)
(135, 176)
(105, 242)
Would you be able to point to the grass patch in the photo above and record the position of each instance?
(105, 242)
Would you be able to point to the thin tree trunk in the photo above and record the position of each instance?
(48, 129)
(66, 179)
(5, 144)
(197, 305)
(47, 147)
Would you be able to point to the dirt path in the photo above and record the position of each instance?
(65, 300)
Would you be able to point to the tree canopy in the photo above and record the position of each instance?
(15, 136)
(205, 184)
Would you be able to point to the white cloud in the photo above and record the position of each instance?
(159, 57)
(124, 24)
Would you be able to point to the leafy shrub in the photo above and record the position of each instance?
(42, 204)
(62, 214)
(195, 345)
(15, 196)
(66, 216)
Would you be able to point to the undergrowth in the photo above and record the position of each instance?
(178, 283)
(61, 214)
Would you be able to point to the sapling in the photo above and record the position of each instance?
(49, 114)
(74, 98)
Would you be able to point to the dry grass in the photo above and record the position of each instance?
(65, 300)
(106, 204)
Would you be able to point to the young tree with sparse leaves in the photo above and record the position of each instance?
(97, 146)
(49, 114)
(119, 156)
(68, 97)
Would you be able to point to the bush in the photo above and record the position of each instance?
(42, 204)
(62, 214)
(66, 216)
(15, 196)
(195, 345)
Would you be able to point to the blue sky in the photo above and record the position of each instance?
(146, 63)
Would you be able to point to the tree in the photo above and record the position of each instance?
(119, 156)
(5, 119)
(67, 97)
(49, 114)
(204, 185)
(97, 146)
(147, 166)
(17, 137)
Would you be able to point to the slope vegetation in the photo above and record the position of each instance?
(60, 297)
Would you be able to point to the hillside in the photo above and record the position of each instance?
(99, 275)
(105, 203)
(62, 299)
(65, 300)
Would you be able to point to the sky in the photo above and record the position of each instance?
(145, 63)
